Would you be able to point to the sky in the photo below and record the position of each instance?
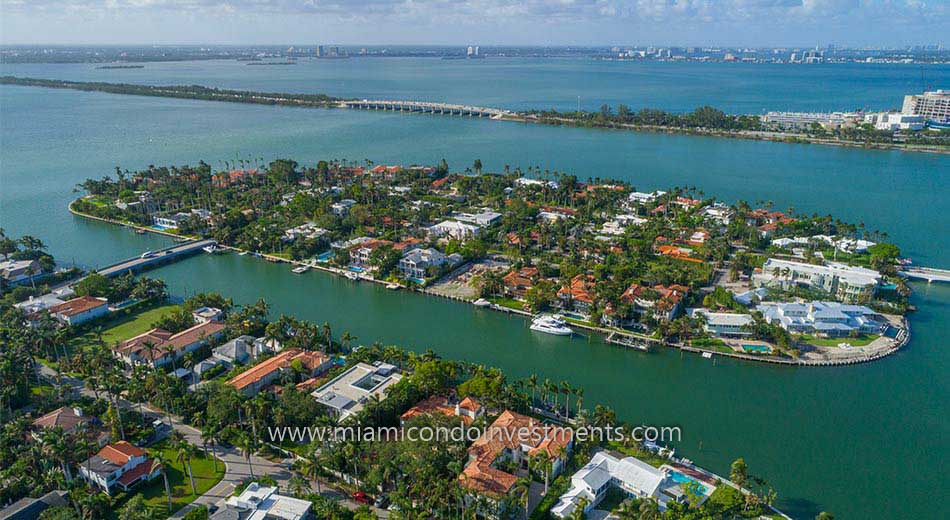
(853, 23)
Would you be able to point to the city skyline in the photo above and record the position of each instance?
(749, 23)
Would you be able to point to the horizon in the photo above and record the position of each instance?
(488, 23)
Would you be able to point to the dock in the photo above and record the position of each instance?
(628, 340)
(926, 273)
(156, 258)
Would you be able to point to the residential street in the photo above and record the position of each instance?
(237, 467)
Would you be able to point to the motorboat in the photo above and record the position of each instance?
(481, 302)
(212, 249)
(550, 324)
(351, 275)
(393, 286)
(300, 269)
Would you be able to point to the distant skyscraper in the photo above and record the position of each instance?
(476, 50)
(470, 50)
(319, 51)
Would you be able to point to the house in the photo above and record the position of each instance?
(342, 208)
(829, 319)
(844, 282)
(362, 254)
(518, 281)
(719, 213)
(638, 197)
(724, 324)
(416, 263)
(171, 221)
(33, 307)
(455, 229)
(467, 409)
(483, 218)
(80, 310)
(605, 470)
(206, 314)
(578, 295)
(251, 381)
(118, 466)
(71, 421)
(225, 179)
(513, 438)
(158, 347)
(698, 238)
(347, 393)
(677, 252)
(31, 508)
(235, 352)
(307, 231)
(258, 502)
(662, 302)
(19, 271)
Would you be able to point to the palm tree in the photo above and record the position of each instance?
(327, 333)
(209, 437)
(160, 461)
(311, 469)
(247, 445)
(296, 485)
(649, 510)
(522, 490)
(186, 451)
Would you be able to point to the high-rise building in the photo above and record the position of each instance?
(476, 50)
(319, 51)
(470, 50)
(934, 106)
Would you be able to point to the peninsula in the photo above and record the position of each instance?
(673, 267)
(855, 130)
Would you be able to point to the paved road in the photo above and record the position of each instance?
(237, 468)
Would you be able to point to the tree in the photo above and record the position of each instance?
(186, 452)
(825, 515)
(738, 472)
(160, 461)
(649, 509)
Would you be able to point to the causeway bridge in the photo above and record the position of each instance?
(926, 273)
(152, 259)
(426, 107)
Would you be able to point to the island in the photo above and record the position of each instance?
(877, 130)
(648, 269)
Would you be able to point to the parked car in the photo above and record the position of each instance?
(381, 501)
(361, 497)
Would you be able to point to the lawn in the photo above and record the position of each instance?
(860, 341)
(127, 327)
(154, 492)
(645, 455)
(511, 303)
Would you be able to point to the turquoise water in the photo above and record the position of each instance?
(755, 348)
(860, 441)
(680, 478)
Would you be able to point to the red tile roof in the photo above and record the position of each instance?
(580, 288)
(133, 475)
(310, 361)
(161, 339)
(120, 452)
(64, 418)
(510, 431)
(78, 306)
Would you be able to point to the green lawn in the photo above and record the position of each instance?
(860, 341)
(645, 455)
(154, 492)
(127, 327)
(511, 303)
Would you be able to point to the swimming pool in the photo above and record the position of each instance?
(355, 269)
(680, 478)
(325, 257)
(757, 349)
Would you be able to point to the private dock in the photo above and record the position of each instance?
(627, 340)
(155, 258)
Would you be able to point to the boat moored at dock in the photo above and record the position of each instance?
(550, 324)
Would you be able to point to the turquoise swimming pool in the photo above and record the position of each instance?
(756, 349)
(680, 478)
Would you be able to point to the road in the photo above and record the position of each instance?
(237, 468)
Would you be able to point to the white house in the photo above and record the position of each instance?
(80, 310)
(416, 262)
(347, 393)
(639, 197)
(724, 324)
(19, 271)
(455, 229)
(635, 477)
(257, 502)
(171, 221)
(118, 466)
(831, 319)
(844, 282)
(342, 208)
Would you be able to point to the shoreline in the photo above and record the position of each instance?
(200, 93)
(902, 340)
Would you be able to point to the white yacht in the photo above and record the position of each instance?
(551, 325)
(212, 249)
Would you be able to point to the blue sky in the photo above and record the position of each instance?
(484, 22)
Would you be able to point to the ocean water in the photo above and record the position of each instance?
(862, 441)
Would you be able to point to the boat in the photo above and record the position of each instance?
(242, 253)
(140, 231)
(393, 287)
(707, 355)
(212, 249)
(481, 302)
(300, 269)
(351, 275)
(147, 254)
(550, 324)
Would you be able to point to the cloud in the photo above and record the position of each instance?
(555, 21)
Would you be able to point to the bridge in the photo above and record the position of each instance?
(425, 107)
(155, 258)
(926, 273)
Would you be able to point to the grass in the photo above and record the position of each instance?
(154, 492)
(126, 327)
(644, 455)
(510, 303)
(860, 341)
(713, 344)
